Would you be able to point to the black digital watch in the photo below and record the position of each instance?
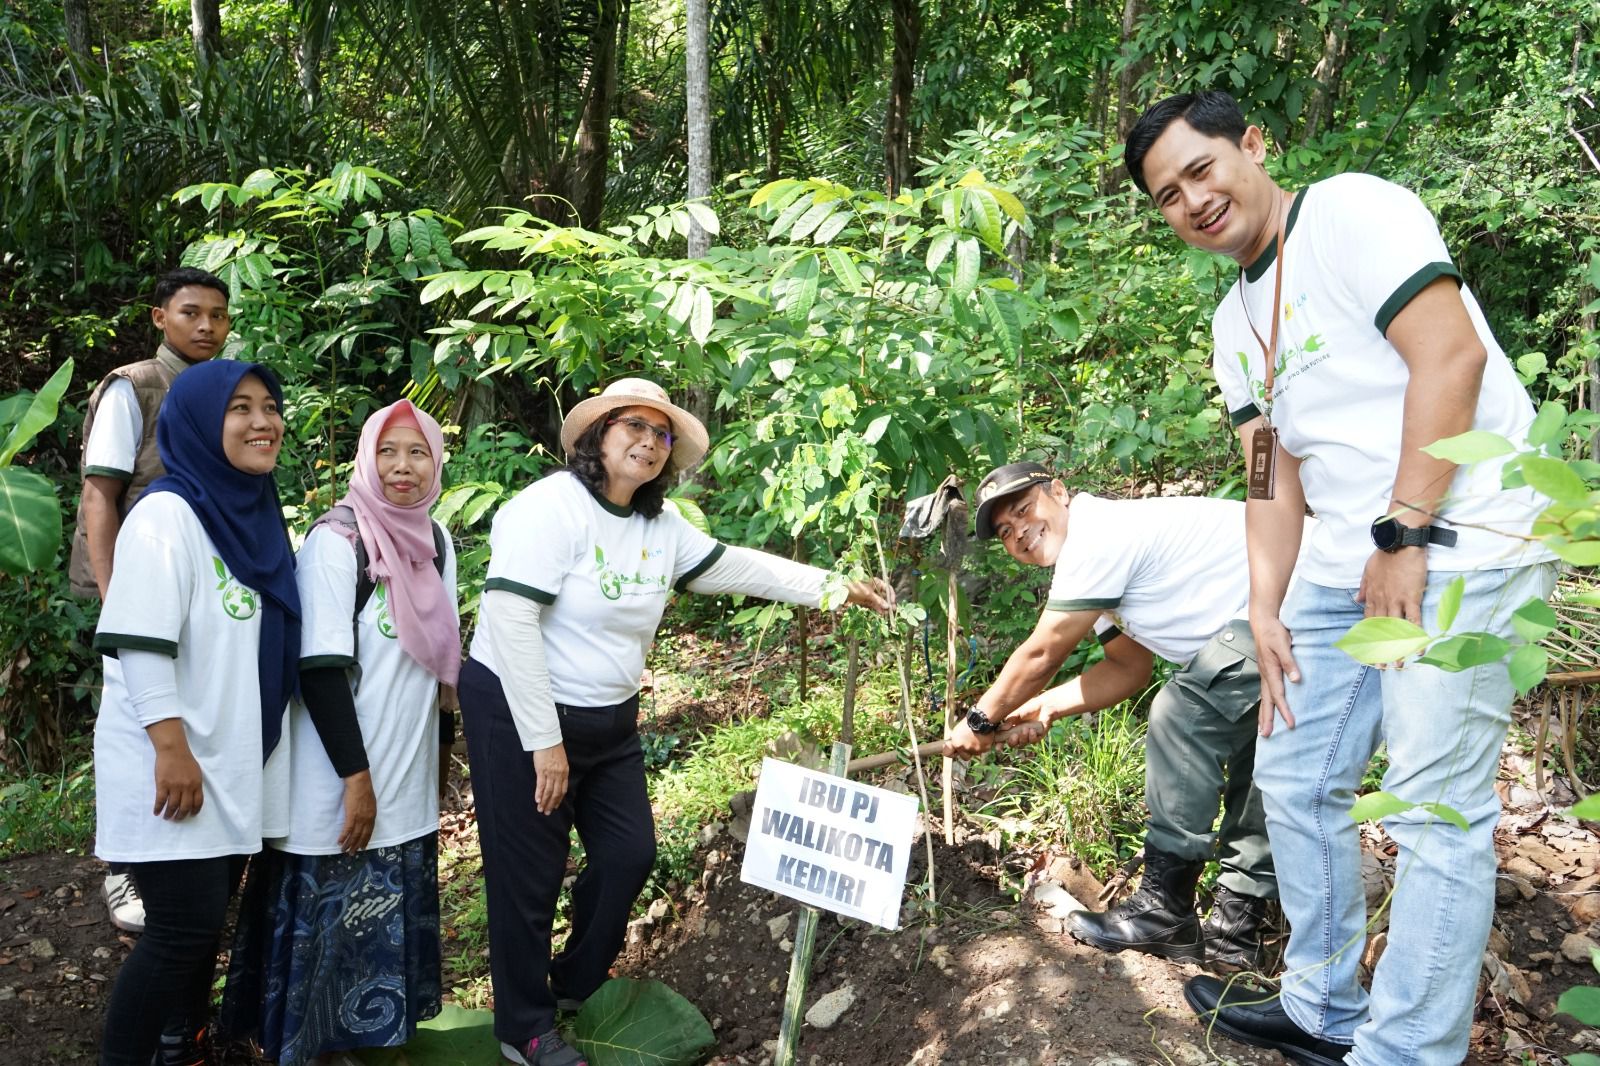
(979, 723)
(1390, 535)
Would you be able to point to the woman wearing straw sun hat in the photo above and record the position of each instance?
(581, 563)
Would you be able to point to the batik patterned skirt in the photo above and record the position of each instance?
(334, 952)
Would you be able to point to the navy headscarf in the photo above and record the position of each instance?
(241, 514)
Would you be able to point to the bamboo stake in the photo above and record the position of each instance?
(947, 770)
(805, 934)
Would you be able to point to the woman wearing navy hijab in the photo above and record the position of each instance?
(190, 763)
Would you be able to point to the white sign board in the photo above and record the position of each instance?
(830, 842)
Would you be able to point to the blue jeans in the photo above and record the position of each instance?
(1443, 732)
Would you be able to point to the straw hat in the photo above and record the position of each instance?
(689, 439)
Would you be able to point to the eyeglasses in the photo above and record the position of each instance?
(640, 428)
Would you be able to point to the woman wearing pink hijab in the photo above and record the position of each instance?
(338, 943)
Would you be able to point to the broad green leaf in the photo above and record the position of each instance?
(813, 218)
(455, 1037)
(702, 316)
(1450, 603)
(30, 521)
(641, 1023)
(1548, 426)
(876, 429)
(802, 294)
(40, 413)
(966, 275)
(1534, 620)
(844, 269)
(1377, 805)
(1463, 652)
(986, 212)
(972, 179)
(1579, 553)
(1590, 598)
(1376, 641)
(1528, 665)
(682, 305)
(1582, 1002)
(1000, 311)
(938, 248)
(690, 512)
(1531, 365)
(1583, 1058)
(1447, 813)
(1010, 205)
(830, 229)
(764, 193)
(1473, 446)
(1553, 478)
(1588, 808)
(706, 218)
(787, 217)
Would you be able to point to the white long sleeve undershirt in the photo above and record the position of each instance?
(151, 678)
(518, 640)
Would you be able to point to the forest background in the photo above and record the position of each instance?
(872, 244)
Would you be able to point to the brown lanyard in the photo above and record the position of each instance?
(1269, 350)
(1263, 469)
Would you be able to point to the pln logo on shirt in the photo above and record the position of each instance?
(238, 601)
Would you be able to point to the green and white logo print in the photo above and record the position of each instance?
(614, 583)
(385, 621)
(238, 601)
(610, 580)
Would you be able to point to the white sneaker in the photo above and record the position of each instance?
(122, 900)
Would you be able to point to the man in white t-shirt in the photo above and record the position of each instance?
(1150, 577)
(120, 460)
(1340, 360)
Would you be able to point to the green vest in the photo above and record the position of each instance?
(150, 378)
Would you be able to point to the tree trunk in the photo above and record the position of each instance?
(1134, 67)
(902, 85)
(777, 113)
(315, 32)
(77, 15)
(1329, 75)
(594, 127)
(698, 91)
(205, 21)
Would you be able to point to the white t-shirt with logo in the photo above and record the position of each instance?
(118, 430)
(171, 593)
(1357, 250)
(1168, 572)
(602, 573)
(396, 701)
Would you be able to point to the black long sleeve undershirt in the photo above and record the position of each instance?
(326, 691)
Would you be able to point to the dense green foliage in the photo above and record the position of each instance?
(484, 211)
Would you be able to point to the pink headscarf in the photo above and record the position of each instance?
(399, 542)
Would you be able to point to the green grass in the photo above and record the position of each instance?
(1081, 789)
(49, 812)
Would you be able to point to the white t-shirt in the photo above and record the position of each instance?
(171, 593)
(602, 573)
(118, 430)
(397, 707)
(1358, 249)
(1169, 572)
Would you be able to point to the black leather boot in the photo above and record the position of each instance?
(1158, 919)
(1232, 932)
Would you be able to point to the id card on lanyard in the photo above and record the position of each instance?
(1264, 441)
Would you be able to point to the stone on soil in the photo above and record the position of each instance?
(825, 1012)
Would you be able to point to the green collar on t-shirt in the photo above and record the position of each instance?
(608, 506)
(1254, 271)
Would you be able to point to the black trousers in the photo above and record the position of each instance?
(166, 982)
(525, 852)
